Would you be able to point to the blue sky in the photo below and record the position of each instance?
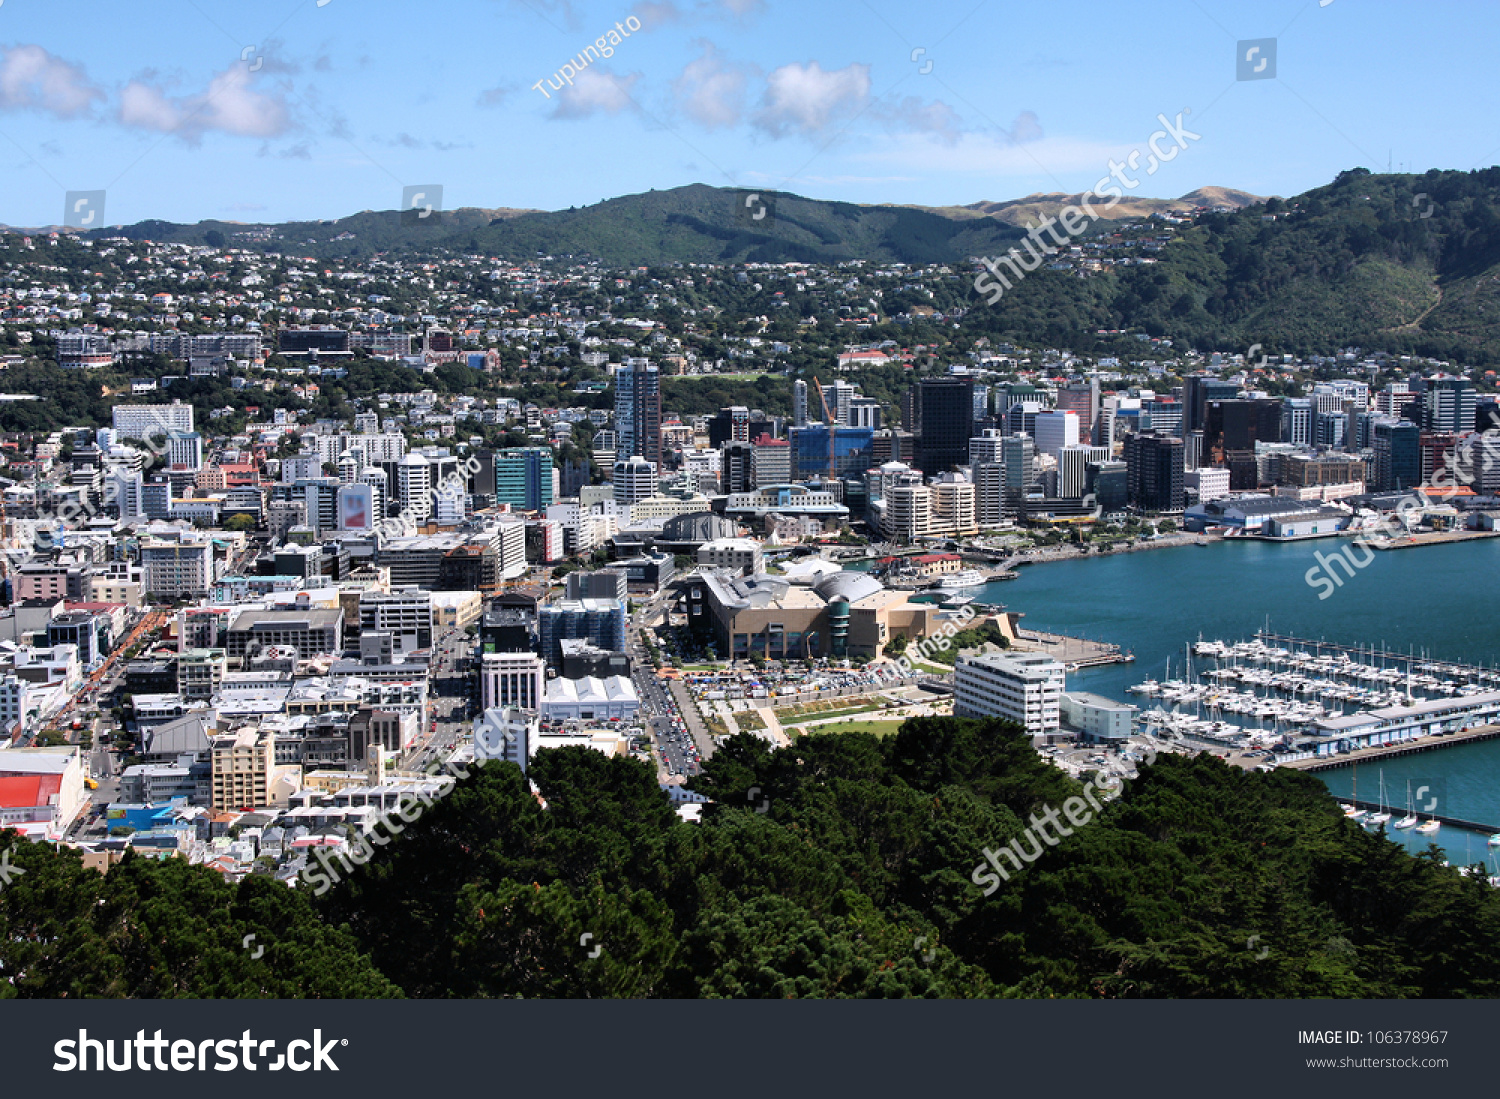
(284, 109)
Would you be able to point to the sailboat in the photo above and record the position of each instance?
(1429, 826)
(1382, 817)
(1353, 812)
(1410, 819)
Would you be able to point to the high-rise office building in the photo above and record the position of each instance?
(770, 461)
(729, 425)
(523, 477)
(1083, 400)
(810, 451)
(945, 418)
(989, 493)
(1296, 421)
(799, 403)
(1398, 455)
(1448, 405)
(634, 479)
(1154, 472)
(1055, 430)
(735, 472)
(1197, 391)
(414, 487)
(1073, 468)
(638, 412)
(1018, 453)
(1109, 482)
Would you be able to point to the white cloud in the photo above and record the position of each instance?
(30, 77)
(656, 13)
(230, 105)
(914, 114)
(710, 90)
(1068, 164)
(493, 97)
(595, 92)
(806, 98)
(1026, 127)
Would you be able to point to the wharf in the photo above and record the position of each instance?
(1392, 751)
(1456, 822)
(1430, 538)
(1075, 652)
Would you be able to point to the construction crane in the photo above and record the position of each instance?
(828, 419)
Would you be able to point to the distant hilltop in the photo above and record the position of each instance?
(1032, 208)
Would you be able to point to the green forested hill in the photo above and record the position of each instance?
(1398, 262)
(693, 224)
(841, 866)
(1403, 262)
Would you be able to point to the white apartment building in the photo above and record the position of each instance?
(953, 506)
(177, 570)
(1022, 687)
(147, 421)
(908, 513)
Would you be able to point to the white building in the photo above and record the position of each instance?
(590, 699)
(1212, 484)
(177, 569)
(1098, 718)
(1055, 430)
(148, 421)
(512, 680)
(414, 487)
(1022, 687)
(741, 554)
(405, 614)
(634, 479)
(506, 734)
(185, 450)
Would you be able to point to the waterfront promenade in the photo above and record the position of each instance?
(1390, 751)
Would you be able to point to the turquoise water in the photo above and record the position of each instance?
(1151, 603)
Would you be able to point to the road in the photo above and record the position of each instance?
(679, 753)
(452, 700)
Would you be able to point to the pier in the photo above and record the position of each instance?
(1455, 822)
(1075, 652)
(1391, 751)
(1406, 661)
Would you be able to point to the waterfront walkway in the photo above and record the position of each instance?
(1390, 751)
(1076, 652)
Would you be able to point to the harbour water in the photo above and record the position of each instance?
(1428, 600)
